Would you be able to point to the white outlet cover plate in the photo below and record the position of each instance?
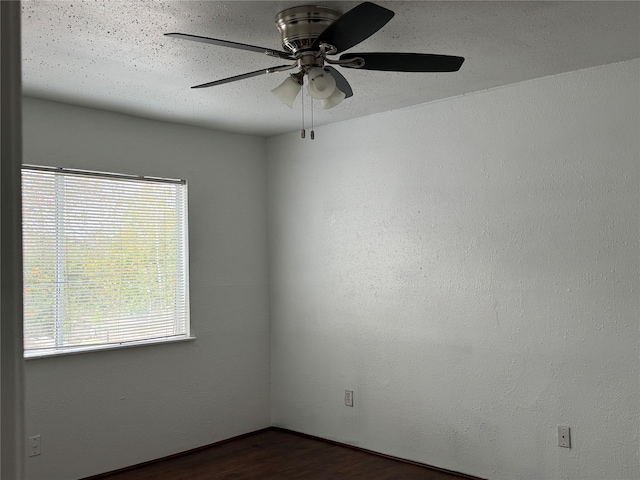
(564, 437)
(34, 446)
(348, 398)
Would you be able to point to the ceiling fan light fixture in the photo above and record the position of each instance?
(310, 35)
(334, 99)
(287, 91)
(321, 83)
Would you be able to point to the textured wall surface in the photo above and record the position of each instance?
(101, 411)
(470, 268)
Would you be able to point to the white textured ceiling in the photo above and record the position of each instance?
(113, 55)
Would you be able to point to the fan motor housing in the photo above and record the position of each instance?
(300, 26)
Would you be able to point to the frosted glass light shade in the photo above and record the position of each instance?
(321, 83)
(334, 99)
(287, 91)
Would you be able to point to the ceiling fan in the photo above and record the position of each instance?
(312, 34)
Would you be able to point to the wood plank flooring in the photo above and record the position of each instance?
(279, 455)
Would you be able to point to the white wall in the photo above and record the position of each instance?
(471, 269)
(101, 411)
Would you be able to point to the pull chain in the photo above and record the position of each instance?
(313, 134)
(302, 131)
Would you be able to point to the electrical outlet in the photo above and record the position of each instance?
(348, 398)
(564, 437)
(34, 446)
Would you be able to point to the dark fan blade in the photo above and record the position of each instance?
(353, 27)
(243, 76)
(341, 82)
(406, 62)
(226, 43)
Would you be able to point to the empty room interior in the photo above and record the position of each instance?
(456, 248)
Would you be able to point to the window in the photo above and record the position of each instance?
(105, 260)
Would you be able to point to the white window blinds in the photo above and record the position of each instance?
(105, 259)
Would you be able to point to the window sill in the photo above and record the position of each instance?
(99, 348)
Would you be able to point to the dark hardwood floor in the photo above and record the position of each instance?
(279, 455)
